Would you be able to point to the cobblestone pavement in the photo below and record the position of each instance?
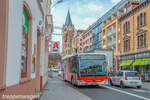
(58, 90)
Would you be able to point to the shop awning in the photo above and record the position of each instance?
(140, 62)
(126, 62)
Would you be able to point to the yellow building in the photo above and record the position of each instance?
(110, 33)
(135, 42)
(110, 38)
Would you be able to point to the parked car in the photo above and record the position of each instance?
(126, 78)
(56, 69)
(51, 69)
(110, 74)
(59, 73)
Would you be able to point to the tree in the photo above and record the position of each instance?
(54, 60)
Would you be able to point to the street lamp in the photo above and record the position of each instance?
(59, 1)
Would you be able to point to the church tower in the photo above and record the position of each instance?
(68, 31)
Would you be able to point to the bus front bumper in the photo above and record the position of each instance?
(83, 83)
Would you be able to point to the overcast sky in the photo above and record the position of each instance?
(83, 12)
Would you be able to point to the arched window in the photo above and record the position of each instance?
(25, 39)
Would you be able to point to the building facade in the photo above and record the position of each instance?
(23, 34)
(87, 40)
(77, 41)
(47, 30)
(135, 44)
(97, 35)
(68, 34)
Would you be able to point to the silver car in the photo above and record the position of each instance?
(126, 78)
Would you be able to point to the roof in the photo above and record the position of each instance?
(80, 30)
(68, 21)
(79, 54)
(142, 5)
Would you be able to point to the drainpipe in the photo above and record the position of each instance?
(133, 39)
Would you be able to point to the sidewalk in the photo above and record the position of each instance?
(146, 85)
(58, 90)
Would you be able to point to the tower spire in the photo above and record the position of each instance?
(68, 21)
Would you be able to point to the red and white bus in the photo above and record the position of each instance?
(85, 69)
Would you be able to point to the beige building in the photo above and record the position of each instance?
(135, 42)
(77, 41)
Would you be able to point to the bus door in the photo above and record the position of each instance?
(66, 73)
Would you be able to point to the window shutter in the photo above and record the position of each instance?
(138, 18)
(144, 18)
(128, 26)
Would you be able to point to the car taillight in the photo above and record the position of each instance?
(139, 77)
(126, 77)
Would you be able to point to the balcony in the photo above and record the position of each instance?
(104, 46)
(110, 43)
(104, 36)
(111, 33)
(111, 30)
(119, 41)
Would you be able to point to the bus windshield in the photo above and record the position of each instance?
(93, 65)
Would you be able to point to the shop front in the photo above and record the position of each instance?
(139, 62)
(143, 67)
(126, 64)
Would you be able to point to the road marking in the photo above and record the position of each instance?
(141, 90)
(131, 94)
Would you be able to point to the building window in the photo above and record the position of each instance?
(138, 22)
(104, 33)
(126, 27)
(144, 18)
(103, 42)
(141, 40)
(141, 20)
(126, 45)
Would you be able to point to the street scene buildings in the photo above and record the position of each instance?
(107, 60)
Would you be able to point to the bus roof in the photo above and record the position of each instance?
(68, 56)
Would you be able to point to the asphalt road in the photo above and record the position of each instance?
(110, 92)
